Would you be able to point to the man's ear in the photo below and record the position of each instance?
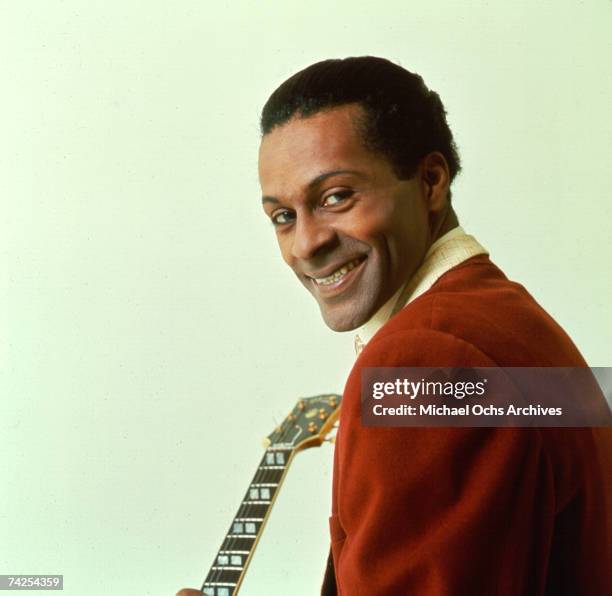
(435, 180)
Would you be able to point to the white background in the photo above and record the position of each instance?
(151, 335)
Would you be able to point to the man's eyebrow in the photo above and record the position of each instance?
(316, 181)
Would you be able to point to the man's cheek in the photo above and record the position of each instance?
(285, 251)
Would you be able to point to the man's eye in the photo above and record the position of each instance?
(281, 217)
(336, 198)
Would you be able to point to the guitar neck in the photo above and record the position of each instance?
(232, 559)
(306, 426)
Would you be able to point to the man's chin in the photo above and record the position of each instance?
(346, 319)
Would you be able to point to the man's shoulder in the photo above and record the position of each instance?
(474, 309)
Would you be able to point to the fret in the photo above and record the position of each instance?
(218, 589)
(259, 492)
(230, 567)
(238, 543)
(270, 473)
(281, 447)
(244, 528)
(232, 560)
(253, 509)
(276, 457)
(269, 476)
(224, 575)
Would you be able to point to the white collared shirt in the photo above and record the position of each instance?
(445, 253)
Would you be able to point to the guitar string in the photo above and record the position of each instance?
(270, 475)
(244, 510)
(262, 476)
(229, 541)
(216, 574)
(265, 476)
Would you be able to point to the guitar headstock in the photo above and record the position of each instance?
(307, 424)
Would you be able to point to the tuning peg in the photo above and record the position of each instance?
(333, 401)
(312, 427)
(266, 442)
(301, 404)
(331, 440)
(322, 414)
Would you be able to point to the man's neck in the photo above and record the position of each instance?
(443, 223)
(447, 251)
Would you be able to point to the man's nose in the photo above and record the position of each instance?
(311, 235)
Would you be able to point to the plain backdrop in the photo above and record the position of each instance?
(151, 335)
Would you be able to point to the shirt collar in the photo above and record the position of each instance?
(446, 252)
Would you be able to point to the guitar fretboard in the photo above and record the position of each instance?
(233, 557)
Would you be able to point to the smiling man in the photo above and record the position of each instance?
(356, 164)
(350, 229)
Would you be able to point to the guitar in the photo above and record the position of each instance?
(307, 425)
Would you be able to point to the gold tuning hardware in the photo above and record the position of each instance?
(307, 424)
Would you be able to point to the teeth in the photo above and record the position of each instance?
(337, 275)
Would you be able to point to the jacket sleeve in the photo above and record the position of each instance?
(437, 511)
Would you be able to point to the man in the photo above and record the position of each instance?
(356, 163)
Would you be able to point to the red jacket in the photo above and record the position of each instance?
(469, 511)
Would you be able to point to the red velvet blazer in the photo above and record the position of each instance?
(469, 511)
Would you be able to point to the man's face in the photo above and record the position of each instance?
(352, 232)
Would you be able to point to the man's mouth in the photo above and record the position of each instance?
(339, 273)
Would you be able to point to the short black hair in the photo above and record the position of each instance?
(404, 120)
